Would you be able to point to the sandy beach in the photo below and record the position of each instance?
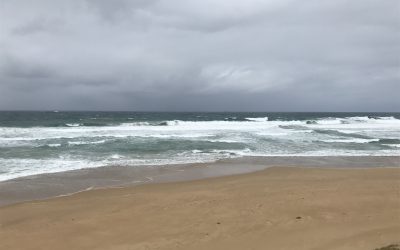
(277, 208)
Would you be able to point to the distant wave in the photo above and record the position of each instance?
(85, 142)
(90, 124)
(388, 141)
(338, 133)
(349, 140)
(257, 119)
(233, 118)
(294, 127)
(130, 121)
(73, 124)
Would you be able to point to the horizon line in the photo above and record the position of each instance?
(204, 111)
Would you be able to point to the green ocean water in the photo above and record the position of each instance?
(44, 142)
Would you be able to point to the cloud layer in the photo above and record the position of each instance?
(213, 55)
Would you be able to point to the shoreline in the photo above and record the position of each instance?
(275, 208)
(46, 186)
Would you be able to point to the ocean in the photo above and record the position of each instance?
(45, 142)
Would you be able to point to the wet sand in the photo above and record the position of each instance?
(276, 208)
(57, 184)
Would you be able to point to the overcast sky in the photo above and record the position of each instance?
(200, 55)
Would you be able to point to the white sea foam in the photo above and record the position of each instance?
(257, 119)
(187, 129)
(352, 140)
(116, 156)
(73, 124)
(85, 142)
(256, 136)
(15, 168)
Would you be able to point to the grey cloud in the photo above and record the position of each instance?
(38, 25)
(118, 10)
(200, 55)
(13, 67)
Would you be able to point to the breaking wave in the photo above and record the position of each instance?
(66, 143)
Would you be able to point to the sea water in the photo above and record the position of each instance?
(44, 142)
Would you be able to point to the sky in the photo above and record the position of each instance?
(200, 55)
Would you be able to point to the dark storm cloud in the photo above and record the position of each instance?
(200, 55)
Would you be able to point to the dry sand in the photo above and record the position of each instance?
(278, 208)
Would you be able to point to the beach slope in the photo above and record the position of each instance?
(277, 208)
